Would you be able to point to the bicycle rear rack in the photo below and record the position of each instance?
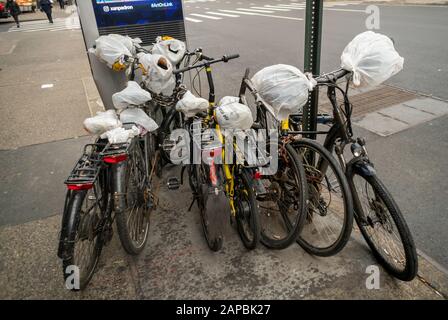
(88, 166)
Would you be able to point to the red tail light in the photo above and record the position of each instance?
(213, 175)
(115, 159)
(257, 175)
(77, 187)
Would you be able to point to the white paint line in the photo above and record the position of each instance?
(192, 20)
(47, 86)
(223, 14)
(276, 9)
(261, 15)
(255, 10)
(204, 16)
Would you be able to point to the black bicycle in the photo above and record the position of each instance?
(377, 214)
(110, 182)
(282, 194)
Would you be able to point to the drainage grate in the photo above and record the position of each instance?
(370, 101)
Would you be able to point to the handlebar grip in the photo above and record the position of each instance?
(226, 58)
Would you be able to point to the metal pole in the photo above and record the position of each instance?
(313, 38)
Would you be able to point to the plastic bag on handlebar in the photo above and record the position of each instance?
(138, 116)
(132, 96)
(111, 50)
(372, 58)
(190, 105)
(102, 122)
(284, 87)
(173, 49)
(231, 114)
(157, 73)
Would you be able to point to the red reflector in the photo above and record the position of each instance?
(115, 159)
(79, 186)
(257, 175)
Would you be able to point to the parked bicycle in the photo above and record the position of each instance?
(377, 214)
(219, 187)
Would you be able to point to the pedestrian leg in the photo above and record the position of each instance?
(16, 19)
(48, 12)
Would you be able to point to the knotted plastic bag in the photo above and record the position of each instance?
(133, 95)
(372, 58)
(284, 87)
(139, 117)
(173, 49)
(191, 105)
(111, 50)
(157, 73)
(121, 135)
(102, 122)
(231, 114)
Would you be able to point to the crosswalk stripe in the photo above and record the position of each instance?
(256, 10)
(204, 16)
(275, 9)
(284, 7)
(345, 10)
(223, 14)
(261, 15)
(192, 20)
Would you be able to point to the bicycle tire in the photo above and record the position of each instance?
(299, 173)
(130, 243)
(72, 227)
(250, 204)
(347, 225)
(410, 270)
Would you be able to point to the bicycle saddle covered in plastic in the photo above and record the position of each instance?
(132, 96)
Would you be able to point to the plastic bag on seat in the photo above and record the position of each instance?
(173, 49)
(121, 135)
(139, 117)
(372, 58)
(102, 122)
(190, 105)
(133, 95)
(231, 114)
(157, 73)
(284, 87)
(112, 51)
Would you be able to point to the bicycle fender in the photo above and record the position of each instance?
(362, 167)
(119, 186)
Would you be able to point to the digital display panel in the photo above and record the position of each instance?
(114, 13)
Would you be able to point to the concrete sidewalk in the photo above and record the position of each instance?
(177, 264)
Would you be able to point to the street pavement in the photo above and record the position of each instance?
(46, 91)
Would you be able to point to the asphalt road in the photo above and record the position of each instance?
(412, 163)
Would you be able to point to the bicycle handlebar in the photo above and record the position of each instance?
(332, 77)
(225, 58)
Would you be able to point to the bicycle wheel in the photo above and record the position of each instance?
(383, 226)
(246, 210)
(329, 218)
(133, 219)
(83, 243)
(211, 207)
(282, 201)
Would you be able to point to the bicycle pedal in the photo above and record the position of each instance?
(173, 183)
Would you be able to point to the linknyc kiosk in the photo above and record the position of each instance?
(144, 19)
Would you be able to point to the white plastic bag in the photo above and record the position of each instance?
(284, 87)
(190, 105)
(121, 135)
(130, 43)
(102, 122)
(138, 116)
(231, 114)
(172, 49)
(372, 58)
(131, 96)
(158, 73)
(111, 50)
